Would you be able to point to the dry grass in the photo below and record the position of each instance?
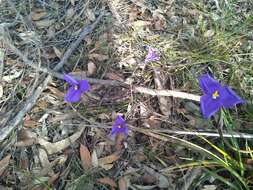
(192, 37)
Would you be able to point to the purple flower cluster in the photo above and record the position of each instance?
(214, 98)
(75, 91)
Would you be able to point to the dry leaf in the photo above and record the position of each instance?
(94, 158)
(57, 52)
(106, 166)
(56, 92)
(119, 141)
(63, 117)
(108, 159)
(91, 68)
(44, 23)
(209, 33)
(60, 145)
(122, 184)
(70, 13)
(114, 76)
(52, 179)
(165, 103)
(24, 160)
(72, 2)
(209, 187)
(4, 163)
(1, 91)
(38, 15)
(90, 14)
(30, 124)
(43, 158)
(26, 138)
(140, 23)
(107, 181)
(9, 78)
(81, 74)
(99, 57)
(85, 157)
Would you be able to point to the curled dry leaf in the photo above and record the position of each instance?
(85, 157)
(4, 163)
(107, 181)
(60, 145)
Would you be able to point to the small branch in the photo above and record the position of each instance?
(172, 93)
(197, 133)
(5, 131)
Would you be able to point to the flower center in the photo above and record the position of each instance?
(119, 126)
(76, 87)
(215, 94)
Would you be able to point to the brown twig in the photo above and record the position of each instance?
(12, 124)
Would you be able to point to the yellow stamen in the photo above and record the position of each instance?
(76, 87)
(215, 94)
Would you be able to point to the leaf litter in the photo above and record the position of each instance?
(63, 145)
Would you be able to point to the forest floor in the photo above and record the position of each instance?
(47, 142)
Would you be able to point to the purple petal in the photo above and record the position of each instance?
(208, 84)
(209, 106)
(119, 121)
(114, 130)
(122, 129)
(152, 55)
(229, 98)
(84, 85)
(69, 79)
(73, 95)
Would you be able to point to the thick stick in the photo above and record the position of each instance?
(172, 93)
(30, 102)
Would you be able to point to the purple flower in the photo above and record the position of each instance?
(152, 55)
(119, 126)
(77, 87)
(215, 96)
